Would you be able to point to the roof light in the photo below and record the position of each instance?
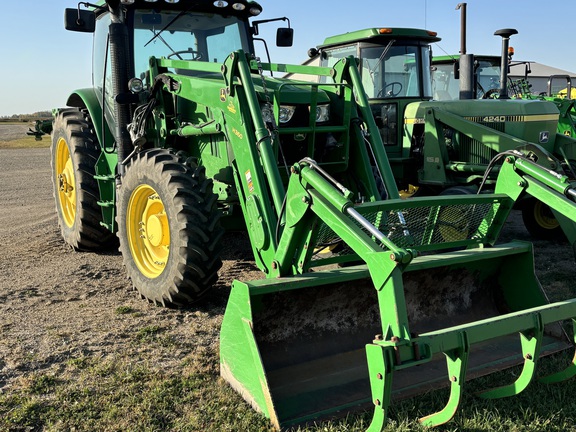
(432, 33)
(385, 30)
(239, 6)
(510, 51)
(255, 11)
(171, 1)
(220, 3)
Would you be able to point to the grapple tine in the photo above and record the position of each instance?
(380, 371)
(565, 374)
(530, 351)
(456, 361)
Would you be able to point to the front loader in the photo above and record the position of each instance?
(180, 140)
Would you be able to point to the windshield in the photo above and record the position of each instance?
(446, 87)
(190, 36)
(488, 76)
(395, 70)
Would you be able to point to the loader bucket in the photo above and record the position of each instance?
(328, 341)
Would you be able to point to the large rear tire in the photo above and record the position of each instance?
(169, 228)
(75, 150)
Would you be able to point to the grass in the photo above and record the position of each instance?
(104, 394)
(24, 141)
(128, 394)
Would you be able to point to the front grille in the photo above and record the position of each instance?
(474, 151)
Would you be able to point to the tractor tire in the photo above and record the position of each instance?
(169, 228)
(540, 221)
(74, 152)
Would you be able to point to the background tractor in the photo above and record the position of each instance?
(445, 146)
(184, 135)
(446, 77)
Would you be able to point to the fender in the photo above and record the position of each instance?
(87, 98)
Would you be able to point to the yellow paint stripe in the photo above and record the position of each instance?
(508, 118)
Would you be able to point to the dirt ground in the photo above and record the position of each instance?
(12, 131)
(58, 304)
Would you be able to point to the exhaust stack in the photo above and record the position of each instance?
(505, 34)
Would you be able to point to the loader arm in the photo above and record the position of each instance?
(521, 175)
(251, 143)
(435, 151)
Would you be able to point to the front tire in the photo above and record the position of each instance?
(74, 151)
(169, 228)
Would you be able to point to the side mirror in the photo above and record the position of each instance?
(284, 37)
(79, 20)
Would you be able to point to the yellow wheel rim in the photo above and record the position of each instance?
(64, 171)
(544, 217)
(409, 191)
(453, 224)
(148, 231)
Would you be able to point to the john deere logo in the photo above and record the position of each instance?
(299, 137)
(543, 138)
(231, 108)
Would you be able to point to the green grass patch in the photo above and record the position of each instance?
(25, 142)
(121, 310)
(128, 397)
(148, 333)
(97, 393)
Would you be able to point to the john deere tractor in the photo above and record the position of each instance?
(186, 134)
(436, 145)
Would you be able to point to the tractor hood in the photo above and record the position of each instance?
(531, 120)
(288, 91)
(545, 114)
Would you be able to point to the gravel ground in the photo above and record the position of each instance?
(12, 131)
(58, 304)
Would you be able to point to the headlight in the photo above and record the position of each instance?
(286, 113)
(267, 114)
(135, 85)
(322, 113)
(284, 116)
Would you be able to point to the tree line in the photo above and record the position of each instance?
(39, 115)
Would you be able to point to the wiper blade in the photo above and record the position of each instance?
(183, 12)
(384, 52)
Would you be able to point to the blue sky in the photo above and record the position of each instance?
(43, 63)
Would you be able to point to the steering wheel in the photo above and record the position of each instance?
(391, 92)
(491, 94)
(196, 55)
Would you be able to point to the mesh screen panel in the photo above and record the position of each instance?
(412, 227)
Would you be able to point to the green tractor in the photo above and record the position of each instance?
(445, 146)
(186, 134)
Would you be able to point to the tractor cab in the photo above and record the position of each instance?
(395, 71)
(446, 77)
